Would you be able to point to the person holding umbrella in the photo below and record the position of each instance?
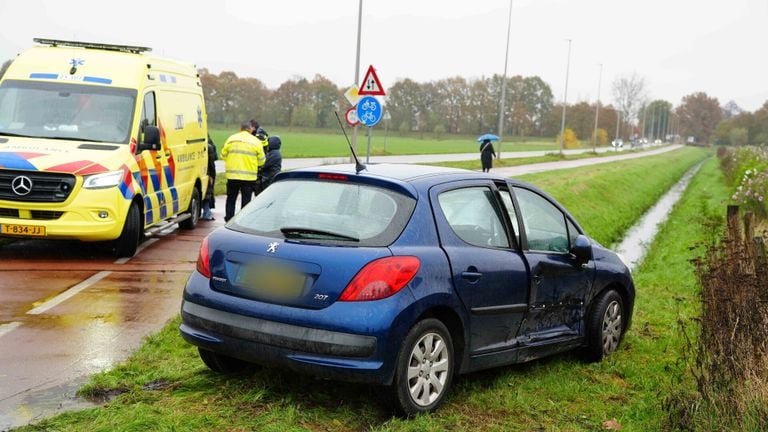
(486, 151)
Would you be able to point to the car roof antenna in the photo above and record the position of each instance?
(358, 166)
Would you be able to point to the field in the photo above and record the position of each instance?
(164, 386)
(331, 143)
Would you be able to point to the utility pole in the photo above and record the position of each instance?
(597, 109)
(565, 99)
(504, 83)
(357, 68)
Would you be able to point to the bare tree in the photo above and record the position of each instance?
(630, 95)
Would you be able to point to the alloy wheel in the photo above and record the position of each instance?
(428, 369)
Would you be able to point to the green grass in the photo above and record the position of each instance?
(166, 387)
(331, 143)
(607, 199)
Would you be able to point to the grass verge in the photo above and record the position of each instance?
(164, 386)
(333, 144)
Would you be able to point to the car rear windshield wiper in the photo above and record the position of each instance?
(298, 232)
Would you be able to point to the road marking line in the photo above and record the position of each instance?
(143, 246)
(69, 293)
(9, 327)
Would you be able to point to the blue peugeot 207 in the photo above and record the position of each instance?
(403, 276)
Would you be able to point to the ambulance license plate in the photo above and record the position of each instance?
(23, 230)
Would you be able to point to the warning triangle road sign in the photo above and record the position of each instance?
(371, 86)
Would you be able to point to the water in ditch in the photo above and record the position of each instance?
(635, 244)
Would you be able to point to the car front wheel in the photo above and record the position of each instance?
(424, 370)
(125, 246)
(605, 326)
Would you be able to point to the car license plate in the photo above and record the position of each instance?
(23, 230)
(271, 281)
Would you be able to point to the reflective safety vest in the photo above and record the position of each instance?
(243, 154)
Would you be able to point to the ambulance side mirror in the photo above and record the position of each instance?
(151, 139)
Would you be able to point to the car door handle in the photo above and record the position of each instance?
(471, 276)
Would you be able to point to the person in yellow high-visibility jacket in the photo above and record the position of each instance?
(243, 154)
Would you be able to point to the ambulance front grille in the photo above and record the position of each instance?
(36, 214)
(45, 187)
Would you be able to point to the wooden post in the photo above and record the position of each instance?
(734, 232)
(749, 233)
(761, 257)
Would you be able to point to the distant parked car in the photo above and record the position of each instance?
(657, 141)
(402, 275)
(617, 143)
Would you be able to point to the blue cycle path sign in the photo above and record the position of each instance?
(369, 111)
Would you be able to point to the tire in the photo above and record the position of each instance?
(221, 363)
(194, 210)
(126, 245)
(424, 369)
(605, 326)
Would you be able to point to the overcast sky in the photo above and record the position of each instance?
(679, 46)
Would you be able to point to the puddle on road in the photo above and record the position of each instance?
(635, 244)
(39, 404)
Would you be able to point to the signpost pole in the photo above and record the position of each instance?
(368, 154)
(357, 66)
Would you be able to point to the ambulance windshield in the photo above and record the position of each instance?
(66, 111)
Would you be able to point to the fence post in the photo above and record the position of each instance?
(734, 232)
(749, 233)
(760, 257)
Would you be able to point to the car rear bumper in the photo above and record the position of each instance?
(324, 353)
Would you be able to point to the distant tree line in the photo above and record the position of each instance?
(461, 106)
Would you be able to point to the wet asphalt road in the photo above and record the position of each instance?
(69, 309)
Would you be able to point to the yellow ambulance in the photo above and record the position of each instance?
(100, 143)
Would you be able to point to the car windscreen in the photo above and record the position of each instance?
(329, 212)
(66, 111)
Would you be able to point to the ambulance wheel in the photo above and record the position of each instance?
(193, 210)
(128, 242)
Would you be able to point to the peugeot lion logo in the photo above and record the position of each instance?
(21, 185)
(272, 247)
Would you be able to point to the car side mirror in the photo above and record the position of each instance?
(151, 139)
(582, 249)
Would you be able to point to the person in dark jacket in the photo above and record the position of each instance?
(209, 201)
(486, 155)
(274, 162)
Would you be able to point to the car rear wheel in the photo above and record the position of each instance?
(128, 242)
(193, 210)
(605, 326)
(221, 363)
(424, 369)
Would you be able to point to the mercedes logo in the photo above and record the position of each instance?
(21, 185)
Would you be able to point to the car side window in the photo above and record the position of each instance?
(572, 232)
(474, 216)
(506, 198)
(148, 117)
(544, 223)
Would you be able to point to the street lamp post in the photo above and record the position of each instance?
(504, 82)
(565, 99)
(597, 109)
(357, 68)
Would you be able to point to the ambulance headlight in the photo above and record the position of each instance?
(104, 180)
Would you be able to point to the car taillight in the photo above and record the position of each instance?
(381, 278)
(203, 262)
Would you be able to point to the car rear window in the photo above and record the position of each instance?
(323, 211)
